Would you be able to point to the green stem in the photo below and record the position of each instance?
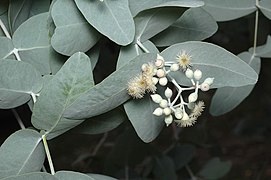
(3, 27)
(256, 28)
(47, 151)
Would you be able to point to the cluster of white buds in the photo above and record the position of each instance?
(173, 107)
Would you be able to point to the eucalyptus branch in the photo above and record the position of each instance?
(19, 120)
(3, 27)
(47, 151)
(256, 28)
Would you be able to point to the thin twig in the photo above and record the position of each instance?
(19, 120)
(97, 148)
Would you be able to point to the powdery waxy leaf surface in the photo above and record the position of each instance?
(214, 62)
(108, 94)
(223, 10)
(34, 43)
(72, 33)
(140, 5)
(21, 153)
(111, 18)
(102, 123)
(20, 11)
(151, 22)
(17, 81)
(72, 80)
(139, 112)
(194, 25)
(6, 47)
(33, 176)
(227, 98)
(265, 7)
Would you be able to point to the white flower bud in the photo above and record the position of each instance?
(163, 103)
(209, 81)
(167, 111)
(163, 81)
(160, 73)
(178, 113)
(158, 112)
(185, 116)
(168, 120)
(189, 73)
(144, 67)
(192, 97)
(168, 93)
(159, 63)
(204, 87)
(174, 67)
(197, 74)
(156, 98)
(155, 80)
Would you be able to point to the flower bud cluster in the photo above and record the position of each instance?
(172, 105)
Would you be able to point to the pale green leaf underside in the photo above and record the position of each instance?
(17, 81)
(34, 43)
(108, 94)
(111, 18)
(29, 157)
(215, 169)
(265, 7)
(223, 10)
(194, 25)
(227, 98)
(72, 33)
(264, 50)
(33, 176)
(140, 5)
(73, 79)
(214, 62)
(102, 123)
(6, 47)
(151, 22)
(20, 11)
(139, 112)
